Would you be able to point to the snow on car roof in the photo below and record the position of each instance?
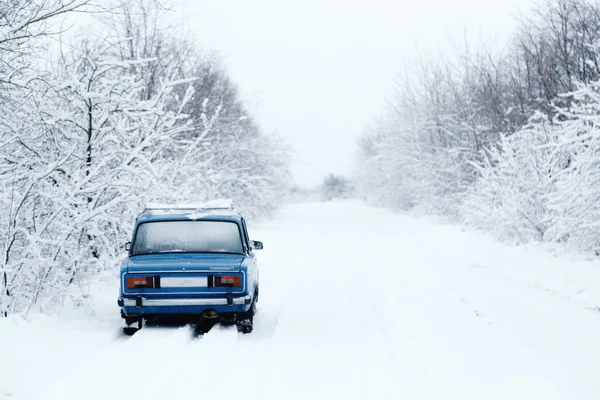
(209, 205)
(193, 211)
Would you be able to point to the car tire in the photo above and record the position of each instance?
(129, 331)
(130, 326)
(253, 309)
(245, 328)
(245, 320)
(203, 326)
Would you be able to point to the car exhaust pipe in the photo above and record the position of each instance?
(210, 314)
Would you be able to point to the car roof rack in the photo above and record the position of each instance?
(220, 204)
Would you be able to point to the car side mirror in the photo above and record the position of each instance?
(128, 246)
(256, 245)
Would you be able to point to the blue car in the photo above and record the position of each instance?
(191, 262)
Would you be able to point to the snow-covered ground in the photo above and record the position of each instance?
(356, 303)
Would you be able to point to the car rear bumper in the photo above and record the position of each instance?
(182, 302)
(179, 306)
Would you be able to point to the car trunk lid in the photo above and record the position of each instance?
(174, 262)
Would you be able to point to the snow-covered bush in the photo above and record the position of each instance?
(541, 183)
(575, 206)
(517, 179)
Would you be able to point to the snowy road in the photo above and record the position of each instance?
(356, 303)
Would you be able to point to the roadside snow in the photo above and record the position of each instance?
(356, 303)
(569, 275)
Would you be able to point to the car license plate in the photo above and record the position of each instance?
(186, 282)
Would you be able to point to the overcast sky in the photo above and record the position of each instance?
(318, 71)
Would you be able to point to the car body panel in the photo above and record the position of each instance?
(176, 262)
(183, 310)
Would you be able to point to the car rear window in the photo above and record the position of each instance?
(187, 237)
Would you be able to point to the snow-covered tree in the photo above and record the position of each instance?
(336, 187)
(503, 140)
(231, 155)
(22, 22)
(93, 153)
(417, 155)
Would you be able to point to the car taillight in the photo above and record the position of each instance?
(140, 283)
(233, 281)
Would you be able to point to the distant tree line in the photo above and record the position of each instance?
(508, 141)
(129, 111)
(336, 187)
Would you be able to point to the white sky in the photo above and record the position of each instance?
(318, 71)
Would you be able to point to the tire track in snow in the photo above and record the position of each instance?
(104, 374)
(205, 368)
